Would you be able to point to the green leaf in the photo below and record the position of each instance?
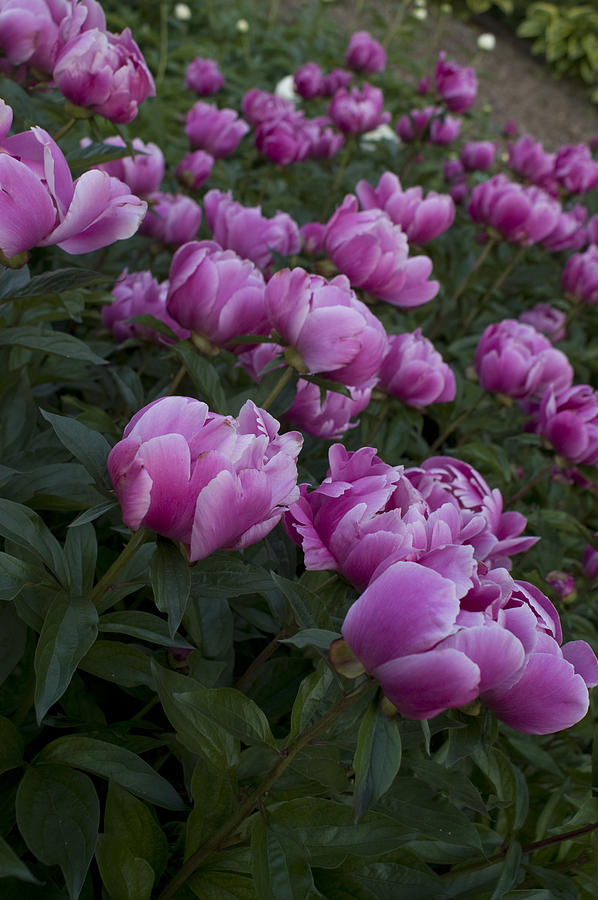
(213, 885)
(377, 758)
(11, 746)
(20, 101)
(312, 637)
(316, 694)
(13, 638)
(144, 626)
(46, 340)
(128, 820)
(414, 805)
(203, 375)
(23, 526)
(125, 876)
(327, 830)
(88, 446)
(96, 153)
(81, 550)
(58, 281)
(15, 574)
(120, 663)
(225, 575)
(155, 324)
(11, 866)
(509, 877)
(171, 582)
(198, 733)
(214, 799)
(380, 881)
(117, 763)
(280, 867)
(58, 814)
(90, 515)
(307, 606)
(69, 630)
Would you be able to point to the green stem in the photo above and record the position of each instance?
(249, 674)
(280, 384)
(481, 306)
(163, 43)
(255, 798)
(487, 248)
(574, 311)
(384, 406)
(530, 484)
(108, 579)
(64, 130)
(527, 848)
(456, 422)
(396, 23)
(176, 381)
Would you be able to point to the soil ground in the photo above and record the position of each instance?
(513, 82)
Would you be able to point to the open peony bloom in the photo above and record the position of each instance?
(139, 294)
(143, 172)
(40, 204)
(477, 156)
(529, 159)
(457, 85)
(372, 252)
(365, 54)
(575, 169)
(207, 480)
(105, 72)
(171, 218)
(429, 655)
(546, 319)
(326, 325)
(246, 231)
(580, 276)
(522, 215)
(309, 80)
(330, 419)
(358, 110)
(513, 358)
(367, 515)
(34, 31)
(415, 372)
(204, 77)
(216, 293)
(569, 420)
(422, 219)
(217, 131)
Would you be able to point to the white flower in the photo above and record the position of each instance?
(182, 12)
(381, 133)
(486, 41)
(421, 3)
(286, 89)
(421, 13)
(446, 8)
(242, 26)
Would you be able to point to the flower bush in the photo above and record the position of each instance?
(299, 522)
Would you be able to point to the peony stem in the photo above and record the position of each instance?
(163, 43)
(481, 306)
(252, 670)
(107, 580)
(246, 807)
(64, 130)
(280, 384)
(487, 248)
(176, 380)
(530, 484)
(456, 422)
(396, 23)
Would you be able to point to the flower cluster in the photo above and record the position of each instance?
(206, 480)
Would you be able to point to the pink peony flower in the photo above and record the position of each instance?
(139, 294)
(365, 54)
(422, 219)
(414, 371)
(206, 480)
(217, 131)
(105, 72)
(204, 77)
(171, 218)
(40, 204)
(246, 231)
